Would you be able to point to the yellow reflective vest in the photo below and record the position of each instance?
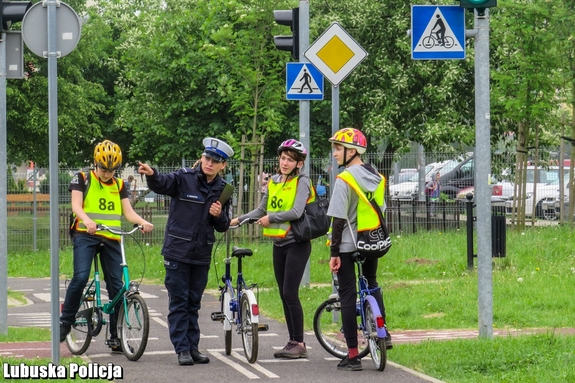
(103, 205)
(367, 217)
(281, 197)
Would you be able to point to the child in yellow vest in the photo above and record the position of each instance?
(284, 201)
(348, 145)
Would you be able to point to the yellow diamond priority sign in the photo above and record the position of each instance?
(335, 54)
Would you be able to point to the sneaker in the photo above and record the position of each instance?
(282, 352)
(388, 344)
(64, 331)
(350, 364)
(295, 351)
(343, 364)
(115, 345)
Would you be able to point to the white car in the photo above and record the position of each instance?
(407, 191)
(505, 188)
(538, 203)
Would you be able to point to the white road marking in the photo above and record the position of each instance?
(234, 365)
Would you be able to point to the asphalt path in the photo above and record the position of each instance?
(159, 362)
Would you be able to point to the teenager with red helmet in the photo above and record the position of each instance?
(284, 201)
(348, 145)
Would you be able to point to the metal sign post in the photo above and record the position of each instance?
(3, 190)
(63, 33)
(482, 170)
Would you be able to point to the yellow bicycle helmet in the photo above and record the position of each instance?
(350, 138)
(107, 155)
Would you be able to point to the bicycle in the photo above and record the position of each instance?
(431, 41)
(371, 331)
(133, 317)
(239, 306)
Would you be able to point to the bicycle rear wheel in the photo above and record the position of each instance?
(80, 336)
(377, 347)
(133, 326)
(249, 330)
(328, 330)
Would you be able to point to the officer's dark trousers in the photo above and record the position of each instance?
(185, 284)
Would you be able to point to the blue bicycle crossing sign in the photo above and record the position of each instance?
(437, 32)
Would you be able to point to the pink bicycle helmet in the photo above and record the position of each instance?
(293, 145)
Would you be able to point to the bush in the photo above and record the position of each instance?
(63, 183)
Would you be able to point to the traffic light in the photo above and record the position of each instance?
(480, 5)
(12, 12)
(288, 17)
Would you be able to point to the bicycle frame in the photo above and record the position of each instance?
(239, 306)
(236, 294)
(133, 318)
(129, 286)
(365, 295)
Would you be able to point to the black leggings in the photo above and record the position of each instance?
(346, 276)
(289, 265)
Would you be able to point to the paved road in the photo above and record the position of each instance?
(159, 362)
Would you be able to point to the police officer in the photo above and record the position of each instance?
(194, 214)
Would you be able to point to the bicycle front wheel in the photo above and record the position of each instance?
(80, 336)
(377, 347)
(328, 330)
(226, 299)
(249, 330)
(133, 326)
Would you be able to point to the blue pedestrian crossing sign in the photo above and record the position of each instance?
(437, 32)
(303, 82)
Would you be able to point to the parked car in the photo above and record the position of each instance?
(505, 188)
(403, 176)
(544, 195)
(557, 207)
(407, 191)
(556, 204)
(459, 177)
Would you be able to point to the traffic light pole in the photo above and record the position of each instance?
(482, 176)
(304, 106)
(3, 191)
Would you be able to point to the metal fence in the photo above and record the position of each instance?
(28, 195)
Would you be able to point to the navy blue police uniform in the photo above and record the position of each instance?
(188, 242)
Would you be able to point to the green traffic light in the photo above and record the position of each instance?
(478, 4)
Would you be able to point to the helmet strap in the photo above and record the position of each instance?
(345, 163)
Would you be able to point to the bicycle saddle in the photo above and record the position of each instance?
(239, 252)
(357, 257)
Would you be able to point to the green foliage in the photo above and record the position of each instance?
(157, 78)
(63, 183)
(15, 186)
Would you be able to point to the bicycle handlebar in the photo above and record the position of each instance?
(136, 227)
(247, 220)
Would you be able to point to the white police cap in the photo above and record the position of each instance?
(217, 149)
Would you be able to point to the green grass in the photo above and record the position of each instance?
(26, 334)
(427, 285)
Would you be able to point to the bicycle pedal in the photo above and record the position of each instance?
(218, 316)
(263, 327)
